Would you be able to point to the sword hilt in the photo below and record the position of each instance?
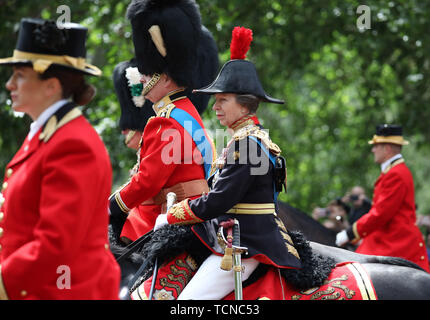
(171, 199)
(227, 259)
(236, 234)
(236, 239)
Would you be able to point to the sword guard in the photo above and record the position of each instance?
(239, 250)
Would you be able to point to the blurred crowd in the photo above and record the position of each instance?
(342, 212)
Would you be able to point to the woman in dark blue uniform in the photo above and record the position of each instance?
(250, 174)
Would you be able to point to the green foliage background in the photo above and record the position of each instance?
(339, 83)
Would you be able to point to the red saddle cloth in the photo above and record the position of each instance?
(172, 277)
(347, 281)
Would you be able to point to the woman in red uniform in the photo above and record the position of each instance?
(54, 215)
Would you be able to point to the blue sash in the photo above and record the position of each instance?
(199, 136)
(272, 159)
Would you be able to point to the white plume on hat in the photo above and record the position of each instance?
(133, 76)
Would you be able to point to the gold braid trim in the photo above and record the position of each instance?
(253, 130)
(52, 126)
(182, 214)
(165, 283)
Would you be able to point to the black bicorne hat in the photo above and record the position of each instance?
(165, 37)
(389, 133)
(43, 43)
(238, 75)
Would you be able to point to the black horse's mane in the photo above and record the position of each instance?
(295, 219)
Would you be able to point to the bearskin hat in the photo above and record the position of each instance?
(134, 114)
(135, 110)
(171, 48)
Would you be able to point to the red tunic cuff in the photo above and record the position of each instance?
(181, 214)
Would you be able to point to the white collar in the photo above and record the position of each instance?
(386, 163)
(44, 116)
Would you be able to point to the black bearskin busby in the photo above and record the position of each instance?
(178, 31)
(135, 110)
(190, 63)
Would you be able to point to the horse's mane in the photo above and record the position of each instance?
(295, 219)
(394, 261)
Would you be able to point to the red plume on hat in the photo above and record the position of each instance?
(240, 42)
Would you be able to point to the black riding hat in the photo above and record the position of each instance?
(389, 133)
(42, 43)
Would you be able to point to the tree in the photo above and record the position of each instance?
(339, 82)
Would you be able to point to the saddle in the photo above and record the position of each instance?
(319, 277)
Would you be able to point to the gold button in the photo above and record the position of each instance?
(4, 186)
(422, 258)
(9, 172)
(1, 247)
(23, 293)
(421, 244)
(1, 216)
(1, 232)
(106, 246)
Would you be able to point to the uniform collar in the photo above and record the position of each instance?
(43, 117)
(249, 119)
(385, 164)
(169, 98)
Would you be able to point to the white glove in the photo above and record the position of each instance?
(161, 221)
(342, 238)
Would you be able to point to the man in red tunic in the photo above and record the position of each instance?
(389, 228)
(175, 153)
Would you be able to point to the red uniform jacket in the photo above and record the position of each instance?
(389, 228)
(54, 216)
(168, 156)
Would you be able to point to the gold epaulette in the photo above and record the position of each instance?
(164, 107)
(253, 130)
(164, 112)
(53, 125)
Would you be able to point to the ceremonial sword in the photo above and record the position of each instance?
(237, 251)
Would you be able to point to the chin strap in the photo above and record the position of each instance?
(155, 78)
